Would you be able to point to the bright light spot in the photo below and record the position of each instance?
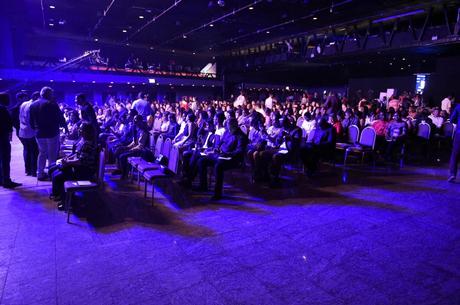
(132, 86)
(51, 24)
(141, 17)
(52, 7)
(124, 31)
(251, 8)
(315, 18)
(151, 81)
(211, 25)
(268, 32)
(51, 80)
(93, 81)
(96, 40)
(73, 81)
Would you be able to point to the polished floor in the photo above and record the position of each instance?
(382, 236)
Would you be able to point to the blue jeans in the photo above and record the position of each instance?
(48, 149)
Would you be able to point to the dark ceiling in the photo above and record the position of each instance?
(239, 22)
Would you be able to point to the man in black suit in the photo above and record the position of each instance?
(228, 155)
(455, 156)
(6, 132)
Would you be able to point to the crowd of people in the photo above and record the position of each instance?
(223, 135)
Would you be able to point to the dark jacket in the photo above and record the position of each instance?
(46, 118)
(455, 117)
(6, 124)
(233, 145)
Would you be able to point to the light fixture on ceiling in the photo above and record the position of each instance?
(51, 24)
(125, 31)
(251, 8)
(141, 17)
(52, 7)
(211, 25)
(96, 40)
(315, 18)
(268, 32)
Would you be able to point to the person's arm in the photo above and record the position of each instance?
(455, 115)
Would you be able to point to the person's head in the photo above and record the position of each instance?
(348, 113)
(46, 93)
(307, 116)
(232, 125)
(87, 131)
(219, 119)
(21, 97)
(139, 121)
(80, 99)
(35, 96)
(4, 99)
(397, 116)
(142, 95)
(74, 118)
(323, 122)
(435, 112)
(286, 123)
(191, 118)
(172, 118)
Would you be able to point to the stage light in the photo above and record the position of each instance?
(1, 79)
(184, 36)
(125, 31)
(51, 80)
(194, 53)
(111, 82)
(211, 25)
(52, 7)
(110, 86)
(141, 17)
(93, 81)
(133, 86)
(73, 81)
(51, 24)
(315, 18)
(403, 59)
(251, 8)
(96, 40)
(151, 81)
(221, 3)
(268, 32)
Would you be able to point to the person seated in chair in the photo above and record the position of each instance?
(395, 136)
(228, 155)
(82, 165)
(190, 157)
(323, 144)
(135, 149)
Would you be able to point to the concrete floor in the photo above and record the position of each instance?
(347, 237)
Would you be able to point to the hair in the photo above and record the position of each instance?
(46, 93)
(191, 117)
(35, 96)
(81, 96)
(21, 95)
(4, 99)
(142, 95)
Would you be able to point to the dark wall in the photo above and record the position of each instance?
(370, 87)
(444, 81)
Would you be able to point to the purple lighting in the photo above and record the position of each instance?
(416, 12)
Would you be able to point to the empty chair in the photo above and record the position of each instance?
(151, 175)
(352, 138)
(424, 131)
(365, 145)
(73, 186)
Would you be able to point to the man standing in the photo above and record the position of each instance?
(269, 101)
(142, 105)
(87, 113)
(455, 156)
(6, 131)
(45, 119)
(27, 137)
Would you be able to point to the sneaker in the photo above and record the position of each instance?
(451, 179)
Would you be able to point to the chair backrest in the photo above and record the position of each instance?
(158, 146)
(152, 141)
(447, 129)
(173, 162)
(368, 136)
(300, 121)
(101, 168)
(424, 130)
(166, 149)
(311, 135)
(353, 134)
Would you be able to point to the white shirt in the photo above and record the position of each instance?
(220, 131)
(437, 121)
(25, 130)
(446, 104)
(269, 102)
(240, 101)
(308, 125)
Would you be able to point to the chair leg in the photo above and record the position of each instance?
(138, 179)
(345, 156)
(153, 193)
(67, 203)
(145, 188)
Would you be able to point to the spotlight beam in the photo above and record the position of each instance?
(176, 2)
(99, 22)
